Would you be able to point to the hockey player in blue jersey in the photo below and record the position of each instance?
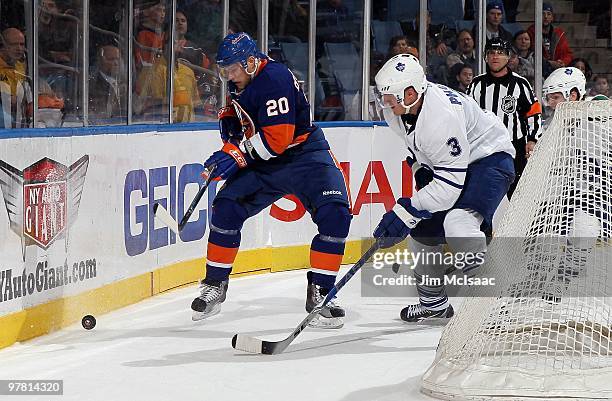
(462, 159)
(270, 149)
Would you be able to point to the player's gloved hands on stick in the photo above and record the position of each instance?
(228, 160)
(396, 224)
(229, 125)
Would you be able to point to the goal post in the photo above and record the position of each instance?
(544, 331)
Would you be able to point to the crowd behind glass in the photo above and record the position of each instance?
(78, 57)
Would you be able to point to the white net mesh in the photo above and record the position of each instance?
(545, 329)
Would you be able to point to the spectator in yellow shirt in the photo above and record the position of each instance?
(154, 91)
(15, 88)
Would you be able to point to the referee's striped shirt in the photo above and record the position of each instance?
(511, 98)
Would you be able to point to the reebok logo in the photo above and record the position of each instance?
(332, 192)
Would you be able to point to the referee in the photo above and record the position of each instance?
(510, 97)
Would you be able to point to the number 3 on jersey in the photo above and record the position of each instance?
(454, 145)
(273, 107)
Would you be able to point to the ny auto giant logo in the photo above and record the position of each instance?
(42, 201)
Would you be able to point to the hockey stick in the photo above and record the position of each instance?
(253, 345)
(245, 119)
(160, 212)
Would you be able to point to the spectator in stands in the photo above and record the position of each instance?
(510, 8)
(186, 49)
(113, 24)
(150, 37)
(14, 83)
(206, 77)
(465, 53)
(513, 60)
(58, 40)
(149, 58)
(584, 66)
(526, 56)
(439, 38)
(494, 22)
(600, 86)
(439, 41)
(50, 107)
(106, 90)
(462, 74)
(56, 34)
(556, 50)
(152, 95)
(401, 45)
(206, 23)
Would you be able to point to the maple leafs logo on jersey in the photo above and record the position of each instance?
(569, 71)
(400, 67)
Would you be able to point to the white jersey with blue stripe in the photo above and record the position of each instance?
(450, 133)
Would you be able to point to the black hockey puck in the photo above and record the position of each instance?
(88, 322)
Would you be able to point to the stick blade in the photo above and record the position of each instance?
(253, 345)
(246, 343)
(161, 213)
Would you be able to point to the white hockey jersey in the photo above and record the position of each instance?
(451, 132)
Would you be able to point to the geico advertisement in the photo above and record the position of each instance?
(77, 212)
(376, 176)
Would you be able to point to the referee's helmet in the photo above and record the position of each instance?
(498, 44)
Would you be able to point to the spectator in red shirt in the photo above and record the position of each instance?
(150, 34)
(556, 49)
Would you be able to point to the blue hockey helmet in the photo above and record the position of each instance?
(237, 48)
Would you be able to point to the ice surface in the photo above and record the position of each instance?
(153, 351)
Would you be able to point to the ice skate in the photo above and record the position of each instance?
(417, 313)
(331, 316)
(209, 302)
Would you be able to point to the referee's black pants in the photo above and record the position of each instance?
(520, 161)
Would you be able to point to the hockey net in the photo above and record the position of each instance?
(544, 331)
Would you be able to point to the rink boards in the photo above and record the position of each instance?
(77, 232)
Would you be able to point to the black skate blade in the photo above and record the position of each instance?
(433, 322)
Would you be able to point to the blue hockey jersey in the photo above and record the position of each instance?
(279, 111)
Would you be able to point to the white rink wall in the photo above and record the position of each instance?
(51, 251)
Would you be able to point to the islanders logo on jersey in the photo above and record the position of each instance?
(508, 104)
(42, 201)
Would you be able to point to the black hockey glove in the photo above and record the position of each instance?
(423, 175)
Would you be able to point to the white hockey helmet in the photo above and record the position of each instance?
(564, 80)
(400, 72)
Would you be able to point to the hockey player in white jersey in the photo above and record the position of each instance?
(564, 85)
(462, 159)
(584, 208)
